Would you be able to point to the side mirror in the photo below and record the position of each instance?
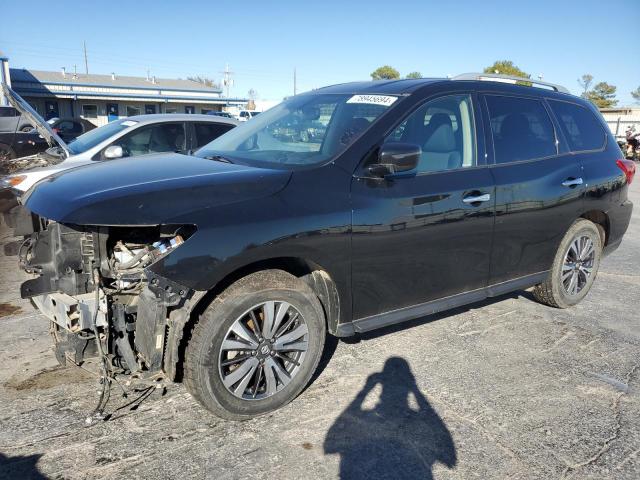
(396, 159)
(113, 151)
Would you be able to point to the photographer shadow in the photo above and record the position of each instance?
(393, 440)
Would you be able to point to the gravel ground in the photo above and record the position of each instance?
(506, 388)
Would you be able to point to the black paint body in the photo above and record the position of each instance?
(387, 244)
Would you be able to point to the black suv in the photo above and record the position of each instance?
(228, 268)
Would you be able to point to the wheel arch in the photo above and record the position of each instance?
(601, 219)
(185, 319)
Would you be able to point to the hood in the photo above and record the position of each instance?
(148, 190)
(40, 125)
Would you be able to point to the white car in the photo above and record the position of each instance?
(127, 137)
(245, 115)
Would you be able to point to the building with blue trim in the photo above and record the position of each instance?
(103, 98)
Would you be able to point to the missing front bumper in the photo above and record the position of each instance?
(71, 313)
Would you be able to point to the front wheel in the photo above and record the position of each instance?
(574, 267)
(256, 346)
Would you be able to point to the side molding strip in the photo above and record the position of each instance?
(429, 308)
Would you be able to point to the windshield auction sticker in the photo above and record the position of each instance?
(385, 100)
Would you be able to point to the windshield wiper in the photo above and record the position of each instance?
(218, 158)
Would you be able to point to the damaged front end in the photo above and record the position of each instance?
(95, 281)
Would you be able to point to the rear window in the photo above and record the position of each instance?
(580, 126)
(521, 129)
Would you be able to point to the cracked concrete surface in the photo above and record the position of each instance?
(506, 388)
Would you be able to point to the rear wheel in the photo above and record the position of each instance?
(26, 128)
(574, 267)
(256, 346)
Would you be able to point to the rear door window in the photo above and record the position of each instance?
(580, 126)
(69, 126)
(206, 132)
(521, 129)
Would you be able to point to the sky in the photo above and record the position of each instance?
(327, 41)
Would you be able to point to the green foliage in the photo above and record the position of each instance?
(603, 95)
(636, 95)
(506, 67)
(414, 75)
(385, 73)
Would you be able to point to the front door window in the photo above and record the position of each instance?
(444, 129)
(162, 137)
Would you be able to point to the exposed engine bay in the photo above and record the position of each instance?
(93, 283)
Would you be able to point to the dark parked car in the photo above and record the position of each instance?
(12, 121)
(20, 144)
(68, 129)
(220, 114)
(228, 268)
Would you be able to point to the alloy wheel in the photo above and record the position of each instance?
(578, 264)
(263, 350)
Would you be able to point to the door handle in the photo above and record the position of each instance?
(477, 198)
(572, 182)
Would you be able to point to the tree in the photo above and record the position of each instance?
(506, 67)
(385, 73)
(206, 81)
(585, 82)
(636, 95)
(414, 75)
(603, 95)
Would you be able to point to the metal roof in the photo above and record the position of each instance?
(39, 76)
(408, 86)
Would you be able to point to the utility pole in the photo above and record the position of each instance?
(227, 80)
(86, 62)
(295, 83)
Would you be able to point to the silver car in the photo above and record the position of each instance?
(137, 135)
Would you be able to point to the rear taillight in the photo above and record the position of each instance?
(628, 167)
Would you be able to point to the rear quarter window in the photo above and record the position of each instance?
(580, 126)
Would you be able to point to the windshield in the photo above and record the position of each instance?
(304, 130)
(93, 137)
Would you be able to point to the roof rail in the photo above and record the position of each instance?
(493, 77)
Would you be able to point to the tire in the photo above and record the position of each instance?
(559, 293)
(248, 300)
(26, 128)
